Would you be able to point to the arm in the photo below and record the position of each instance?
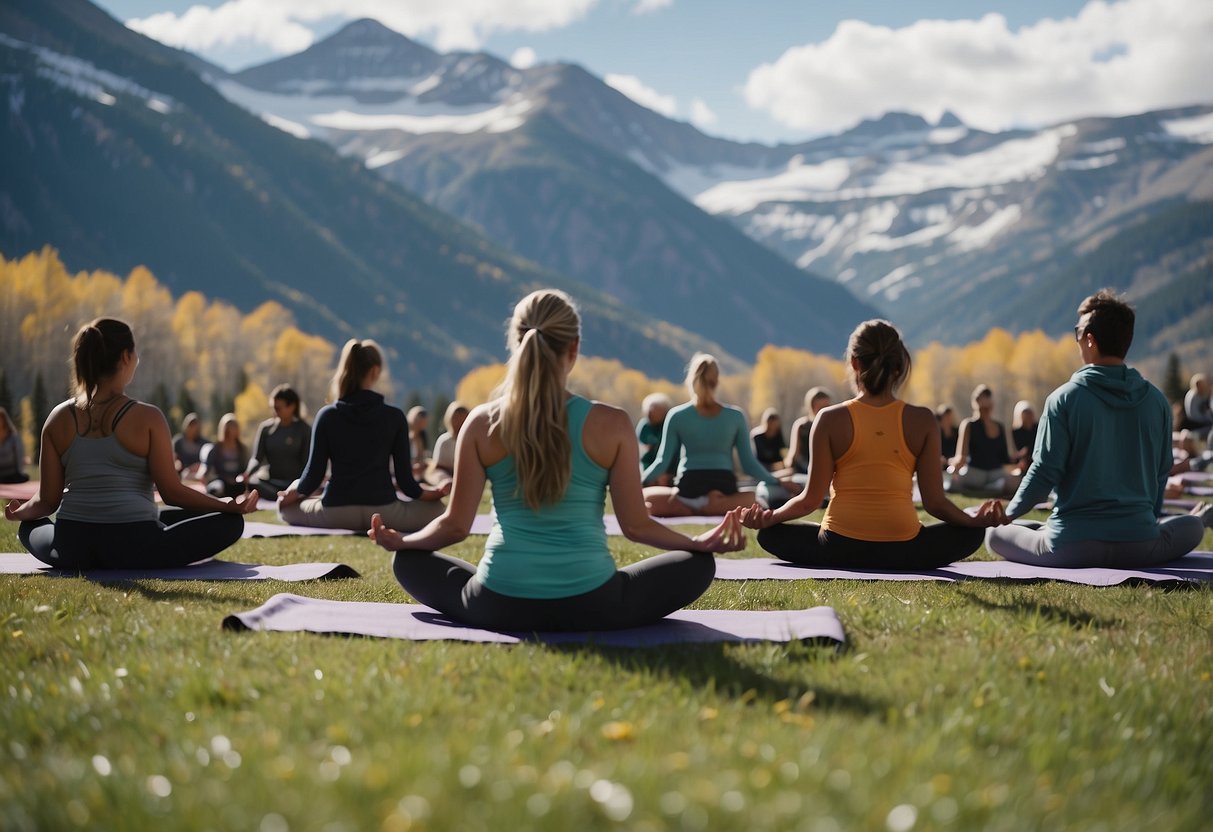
(923, 434)
(164, 473)
(670, 443)
(962, 444)
(825, 431)
(50, 489)
(627, 498)
(1052, 450)
(789, 461)
(403, 462)
(258, 458)
(1165, 462)
(744, 444)
(317, 462)
(454, 524)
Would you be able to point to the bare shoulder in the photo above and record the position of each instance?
(478, 420)
(835, 414)
(919, 416)
(604, 417)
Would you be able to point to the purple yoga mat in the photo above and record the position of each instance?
(483, 524)
(254, 529)
(20, 563)
(296, 613)
(1197, 567)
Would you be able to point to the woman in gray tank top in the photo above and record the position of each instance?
(107, 450)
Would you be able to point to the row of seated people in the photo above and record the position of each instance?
(551, 456)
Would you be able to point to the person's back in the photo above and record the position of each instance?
(556, 550)
(707, 441)
(1107, 443)
(871, 497)
(104, 481)
(359, 433)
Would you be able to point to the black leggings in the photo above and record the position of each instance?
(179, 538)
(810, 545)
(642, 593)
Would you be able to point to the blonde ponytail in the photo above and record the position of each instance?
(703, 374)
(529, 411)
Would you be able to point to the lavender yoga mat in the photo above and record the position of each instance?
(255, 529)
(296, 613)
(20, 563)
(483, 524)
(1197, 567)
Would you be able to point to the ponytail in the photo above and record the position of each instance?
(97, 351)
(703, 374)
(529, 411)
(357, 359)
(884, 361)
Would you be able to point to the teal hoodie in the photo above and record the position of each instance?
(1104, 444)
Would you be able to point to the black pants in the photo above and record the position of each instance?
(179, 538)
(810, 545)
(642, 593)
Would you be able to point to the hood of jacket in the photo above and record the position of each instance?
(1119, 386)
(361, 408)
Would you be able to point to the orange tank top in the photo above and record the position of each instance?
(871, 496)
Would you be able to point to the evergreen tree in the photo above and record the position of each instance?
(413, 400)
(1173, 384)
(161, 399)
(441, 403)
(40, 410)
(185, 402)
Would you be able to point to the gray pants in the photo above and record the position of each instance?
(398, 514)
(1025, 542)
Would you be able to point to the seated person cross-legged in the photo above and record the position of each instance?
(1104, 444)
(550, 457)
(870, 448)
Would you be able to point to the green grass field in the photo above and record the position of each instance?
(954, 706)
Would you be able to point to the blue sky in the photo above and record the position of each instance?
(775, 70)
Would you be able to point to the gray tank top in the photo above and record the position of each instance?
(105, 483)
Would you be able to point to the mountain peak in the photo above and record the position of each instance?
(889, 123)
(949, 119)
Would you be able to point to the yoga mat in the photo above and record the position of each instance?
(20, 563)
(18, 490)
(254, 529)
(295, 613)
(483, 524)
(1196, 567)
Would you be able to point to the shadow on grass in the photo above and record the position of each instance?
(710, 666)
(1074, 619)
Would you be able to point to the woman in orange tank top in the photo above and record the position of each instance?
(869, 449)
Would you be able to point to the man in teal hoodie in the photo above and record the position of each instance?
(1104, 444)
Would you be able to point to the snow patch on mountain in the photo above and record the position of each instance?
(287, 126)
(312, 109)
(1197, 129)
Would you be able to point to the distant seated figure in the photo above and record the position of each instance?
(1105, 447)
(1186, 456)
(224, 461)
(982, 464)
(648, 433)
(767, 437)
(945, 417)
(1023, 432)
(709, 432)
(365, 440)
(442, 466)
(419, 441)
(281, 448)
(187, 447)
(12, 452)
(797, 457)
(1197, 408)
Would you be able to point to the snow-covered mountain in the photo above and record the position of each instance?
(945, 228)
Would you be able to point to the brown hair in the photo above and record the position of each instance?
(884, 361)
(1110, 322)
(288, 394)
(357, 359)
(97, 350)
(528, 409)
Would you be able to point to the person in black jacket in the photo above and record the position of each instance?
(364, 439)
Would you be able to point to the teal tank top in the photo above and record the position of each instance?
(558, 550)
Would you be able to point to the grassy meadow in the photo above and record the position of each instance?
(953, 706)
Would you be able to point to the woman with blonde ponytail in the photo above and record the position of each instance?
(707, 432)
(102, 451)
(358, 435)
(870, 448)
(550, 457)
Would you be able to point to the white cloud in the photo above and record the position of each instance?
(701, 114)
(646, 6)
(1112, 58)
(282, 25)
(524, 57)
(644, 95)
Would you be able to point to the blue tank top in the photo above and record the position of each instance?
(105, 483)
(558, 550)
